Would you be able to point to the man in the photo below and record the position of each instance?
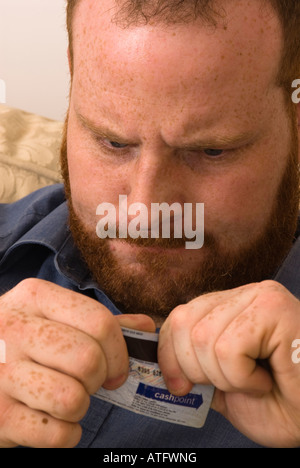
(170, 102)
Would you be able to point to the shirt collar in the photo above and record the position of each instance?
(52, 232)
(48, 232)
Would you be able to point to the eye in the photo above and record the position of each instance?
(116, 145)
(213, 152)
(112, 147)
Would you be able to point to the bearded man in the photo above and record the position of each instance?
(171, 101)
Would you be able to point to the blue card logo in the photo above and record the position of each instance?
(190, 400)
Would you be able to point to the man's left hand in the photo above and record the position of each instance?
(240, 341)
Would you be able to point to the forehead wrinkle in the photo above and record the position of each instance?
(106, 71)
(102, 39)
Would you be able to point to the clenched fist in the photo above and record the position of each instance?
(241, 342)
(61, 347)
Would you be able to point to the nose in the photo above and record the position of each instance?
(157, 177)
(156, 181)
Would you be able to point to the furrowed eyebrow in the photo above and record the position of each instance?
(102, 132)
(216, 142)
(220, 142)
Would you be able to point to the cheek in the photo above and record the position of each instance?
(240, 208)
(92, 182)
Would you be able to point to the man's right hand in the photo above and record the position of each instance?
(61, 347)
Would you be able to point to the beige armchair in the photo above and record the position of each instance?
(29, 153)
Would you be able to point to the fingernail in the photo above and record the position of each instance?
(112, 384)
(178, 385)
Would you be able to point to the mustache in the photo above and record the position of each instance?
(161, 242)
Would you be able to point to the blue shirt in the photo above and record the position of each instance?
(35, 242)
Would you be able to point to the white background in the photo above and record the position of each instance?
(33, 56)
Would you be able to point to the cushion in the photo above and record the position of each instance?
(29, 153)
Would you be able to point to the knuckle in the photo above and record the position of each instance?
(223, 351)
(89, 357)
(72, 402)
(177, 317)
(200, 337)
(107, 323)
(272, 293)
(272, 285)
(21, 295)
(28, 287)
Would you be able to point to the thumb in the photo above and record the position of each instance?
(137, 322)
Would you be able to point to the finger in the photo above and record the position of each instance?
(238, 354)
(66, 350)
(46, 390)
(228, 344)
(137, 322)
(175, 378)
(206, 337)
(178, 331)
(194, 329)
(177, 345)
(31, 428)
(47, 300)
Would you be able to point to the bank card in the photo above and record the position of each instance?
(145, 391)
